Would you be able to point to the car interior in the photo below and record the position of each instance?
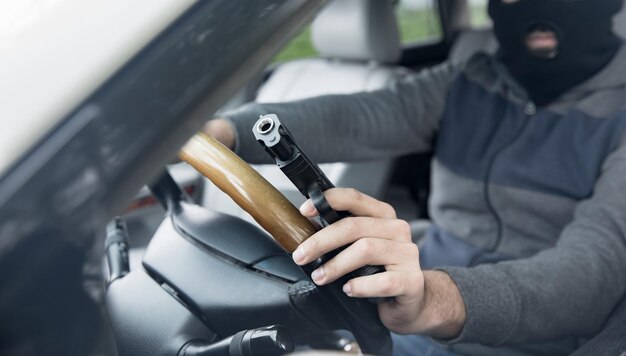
(358, 48)
(256, 297)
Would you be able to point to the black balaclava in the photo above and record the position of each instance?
(584, 30)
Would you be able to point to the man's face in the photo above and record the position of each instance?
(541, 40)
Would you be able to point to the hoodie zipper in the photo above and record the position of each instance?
(530, 110)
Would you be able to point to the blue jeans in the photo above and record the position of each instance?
(417, 345)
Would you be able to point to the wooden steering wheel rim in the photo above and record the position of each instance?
(249, 190)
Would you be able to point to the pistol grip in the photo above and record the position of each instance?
(330, 216)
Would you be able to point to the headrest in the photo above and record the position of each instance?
(357, 29)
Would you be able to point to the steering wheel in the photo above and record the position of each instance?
(286, 225)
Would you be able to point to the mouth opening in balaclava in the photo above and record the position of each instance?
(572, 39)
(545, 30)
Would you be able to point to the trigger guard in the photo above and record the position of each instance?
(327, 214)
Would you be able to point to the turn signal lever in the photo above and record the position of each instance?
(306, 176)
(270, 340)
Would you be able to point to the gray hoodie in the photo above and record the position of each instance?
(528, 204)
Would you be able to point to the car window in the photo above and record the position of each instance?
(478, 14)
(418, 21)
(299, 47)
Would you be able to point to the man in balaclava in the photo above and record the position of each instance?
(551, 46)
(526, 253)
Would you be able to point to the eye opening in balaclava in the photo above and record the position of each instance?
(581, 29)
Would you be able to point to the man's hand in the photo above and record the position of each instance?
(424, 302)
(222, 131)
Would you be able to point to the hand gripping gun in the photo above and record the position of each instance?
(306, 176)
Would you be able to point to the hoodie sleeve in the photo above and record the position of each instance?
(569, 290)
(396, 120)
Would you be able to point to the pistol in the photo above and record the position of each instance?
(307, 176)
